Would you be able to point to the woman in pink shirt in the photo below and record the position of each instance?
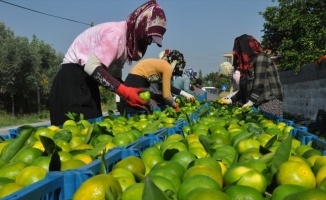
(96, 57)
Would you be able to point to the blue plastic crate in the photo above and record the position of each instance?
(201, 97)
(55, 186)
(144, 143)
(318, 144)
(303, 136)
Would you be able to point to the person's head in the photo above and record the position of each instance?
(198, 83)
(145, 25)
(245, 48)
(176, 59)
(191, 73)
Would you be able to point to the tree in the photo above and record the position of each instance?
(295, 30)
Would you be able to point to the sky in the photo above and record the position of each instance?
(201, 29)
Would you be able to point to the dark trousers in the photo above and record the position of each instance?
(74, 91)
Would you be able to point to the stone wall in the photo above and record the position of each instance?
(305, 91)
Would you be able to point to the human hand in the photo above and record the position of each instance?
(131, 95)
(177, 108)
(248, 104)
(226, 100)
(188, 96)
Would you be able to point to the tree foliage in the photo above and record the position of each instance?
(295, 30)
(27, 70)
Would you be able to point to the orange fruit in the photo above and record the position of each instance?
(145, 95)
(96, 186)
(72, 164)
(74, 141)
(214, 173)
(207, 194)
(247, 144)
(4, 181)
(65, 146)
(75, 131)
(38, 145)
(11, 170)
(313, 193)
(179, 146)
(69, 122)
(243, 192)
(281, 191)
(196, 181)
(132, 163)
(28, 155)
(9, 189)
(42, 161)
(133, 192)
(121, 139)
(83, 147)
(211, 162)
(250, 154)
(319, 162)
(200, 152)
(242, 175)
(184, 158)
(125, 182)
(171, 166)
(83, 157)
(300, 150)
(295, 173)
(30, 175)
(109, 146)
(44, 132)
(64, 156)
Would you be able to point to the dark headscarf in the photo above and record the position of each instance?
(174, 56)
(246, 47)
(147, 20)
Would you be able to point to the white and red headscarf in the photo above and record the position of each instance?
(145, 23)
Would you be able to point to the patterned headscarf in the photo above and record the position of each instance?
(191, 73)
(246, 47)
(176, 59)
(147, 20)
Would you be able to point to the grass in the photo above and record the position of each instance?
(6, 119)
(9, 120)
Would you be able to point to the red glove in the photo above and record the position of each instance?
(176, 108)
(131, 95)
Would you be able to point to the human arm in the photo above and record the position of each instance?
(101, 76)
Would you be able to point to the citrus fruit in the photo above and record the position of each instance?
(223, 167)
(281, 191)
(247, 144)
(200, 152)
(72, 164)
(30, 175)
(83, 157)
(132, 163)
(75, 141)
(75, 131)
(65, 146)
(84, 123)
(83, 147)
(319, 162)
(4, 181)
(42, 161)
(150, 160)
(9, 189)
(121, 172)
(207, 194)
(184, 158)
(243, 192)
(322, 184)
(250, 154)
(214, 173)
(121, 139)
(44, 132)
(255, 164)
(11, 170)
(69, 122)
(179, 146)
(295, 173)
(315, 194)
(196, 181)
(145, 95)
(28, 155)
(125, 182)
(54, 128)
(312, 159)
(211, 162)
(109, 146)
(133, 192)
(243, 175)
(171, 166)
(94, 188)
(301, 149)
(64, 156)
(38, 145)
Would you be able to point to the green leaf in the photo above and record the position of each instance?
(282, 154)
(241, 136)
(103, 164)
(271, 142)
(55, 163)
(63, 135)
(109, 195)
(152, 191)
(48, 144)
(96, 151)
(12, 148)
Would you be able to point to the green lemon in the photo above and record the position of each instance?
(145, 95)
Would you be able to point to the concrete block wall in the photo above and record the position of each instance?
(305, 91)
